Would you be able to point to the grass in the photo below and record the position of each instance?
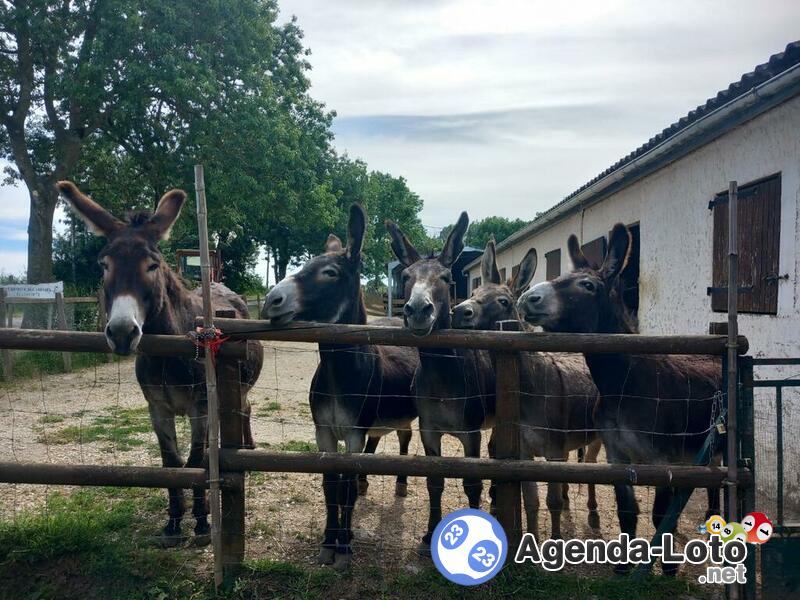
(98, 543)
(120, 429)
(27, 364)
(266, 410)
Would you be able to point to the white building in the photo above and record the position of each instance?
(672, 192)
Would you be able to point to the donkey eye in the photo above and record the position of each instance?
(588, 285)
(330, 272)
(503, 302)
(152, 267)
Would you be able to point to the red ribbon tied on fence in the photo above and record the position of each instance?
(210, 340)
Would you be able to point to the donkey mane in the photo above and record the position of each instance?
(138, 219)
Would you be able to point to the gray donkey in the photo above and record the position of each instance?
(455, 388)
(557, 394)
(143, 295)
(359, 392)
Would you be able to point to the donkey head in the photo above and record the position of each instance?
(328, 287)
(494, 300)
(427, 280)
(135, 275)
(585, 300)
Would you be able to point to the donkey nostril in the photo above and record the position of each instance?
(133, 332)
(407, 310)
(468, 312)
(277, 301)
(108, 330)
(427, 309)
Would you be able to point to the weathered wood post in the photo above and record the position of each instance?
(507, 443)
(211, 377)
(8, 370)
(61, 323)
(229, 387)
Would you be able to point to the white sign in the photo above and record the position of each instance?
(30, 290)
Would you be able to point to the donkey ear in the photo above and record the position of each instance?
(525, 273)
(401, 246)
(579, 261)
(619, 251)
(97, 219)
(489, 270)
(333, 243)
(455, 241)
(168, 211)
(355, 231)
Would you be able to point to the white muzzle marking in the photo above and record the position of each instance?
(126, 316)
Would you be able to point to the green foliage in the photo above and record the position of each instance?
(27, 364)
(121, 430)
(480, 231)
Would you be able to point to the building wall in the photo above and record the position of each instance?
(676, 228)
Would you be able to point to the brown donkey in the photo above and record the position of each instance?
(144, 296)
(455, 388)
(653, 408)
(557, 392)
(359, 393)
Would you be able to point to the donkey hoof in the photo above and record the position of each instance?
(363, 485)
(594, 519)
(566, 504)
(401, 489)
(171, 540)
(343, 561)
(424, 549)
(326, 556)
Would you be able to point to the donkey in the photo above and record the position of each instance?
(652, 408)
(454, 387)
(558, 394)
(357, 390)
(143, 295)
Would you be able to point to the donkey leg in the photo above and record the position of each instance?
(401, 485)
(628, 513)
(327, 442)
(432, 442)
(590, 456)
(199, 424)
(530, 498)
(163, 421)
(372, 445)
(247, 430)
(660, 507)
(713, 502)
(473, 488)
(348, 494)
(555, 499)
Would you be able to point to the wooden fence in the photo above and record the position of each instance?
(506, 469)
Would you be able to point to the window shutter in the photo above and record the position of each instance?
(595, 251)
(759, 214)
(553, 260)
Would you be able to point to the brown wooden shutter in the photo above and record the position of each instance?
(595, 251)
(476, 283)
(759, 208)
(553, 260)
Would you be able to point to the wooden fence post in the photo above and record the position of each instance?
(507, 443)
(8, 369)
(61, 323)
(231, 432)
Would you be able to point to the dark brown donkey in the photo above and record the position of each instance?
(359, 393)
(144, 296)
(653, 408)
(557, 394)
(455, 388)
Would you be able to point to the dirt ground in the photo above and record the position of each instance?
(99, 416)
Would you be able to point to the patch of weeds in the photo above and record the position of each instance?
(50, 419)
(120, 429)
(298, 446)
(27, 364)
(267, 409)
(261, 528)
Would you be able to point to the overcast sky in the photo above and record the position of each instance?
(505, 107)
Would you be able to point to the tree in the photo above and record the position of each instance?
(480, 231)
(138, 71)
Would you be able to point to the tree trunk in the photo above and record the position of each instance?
(40, 249)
